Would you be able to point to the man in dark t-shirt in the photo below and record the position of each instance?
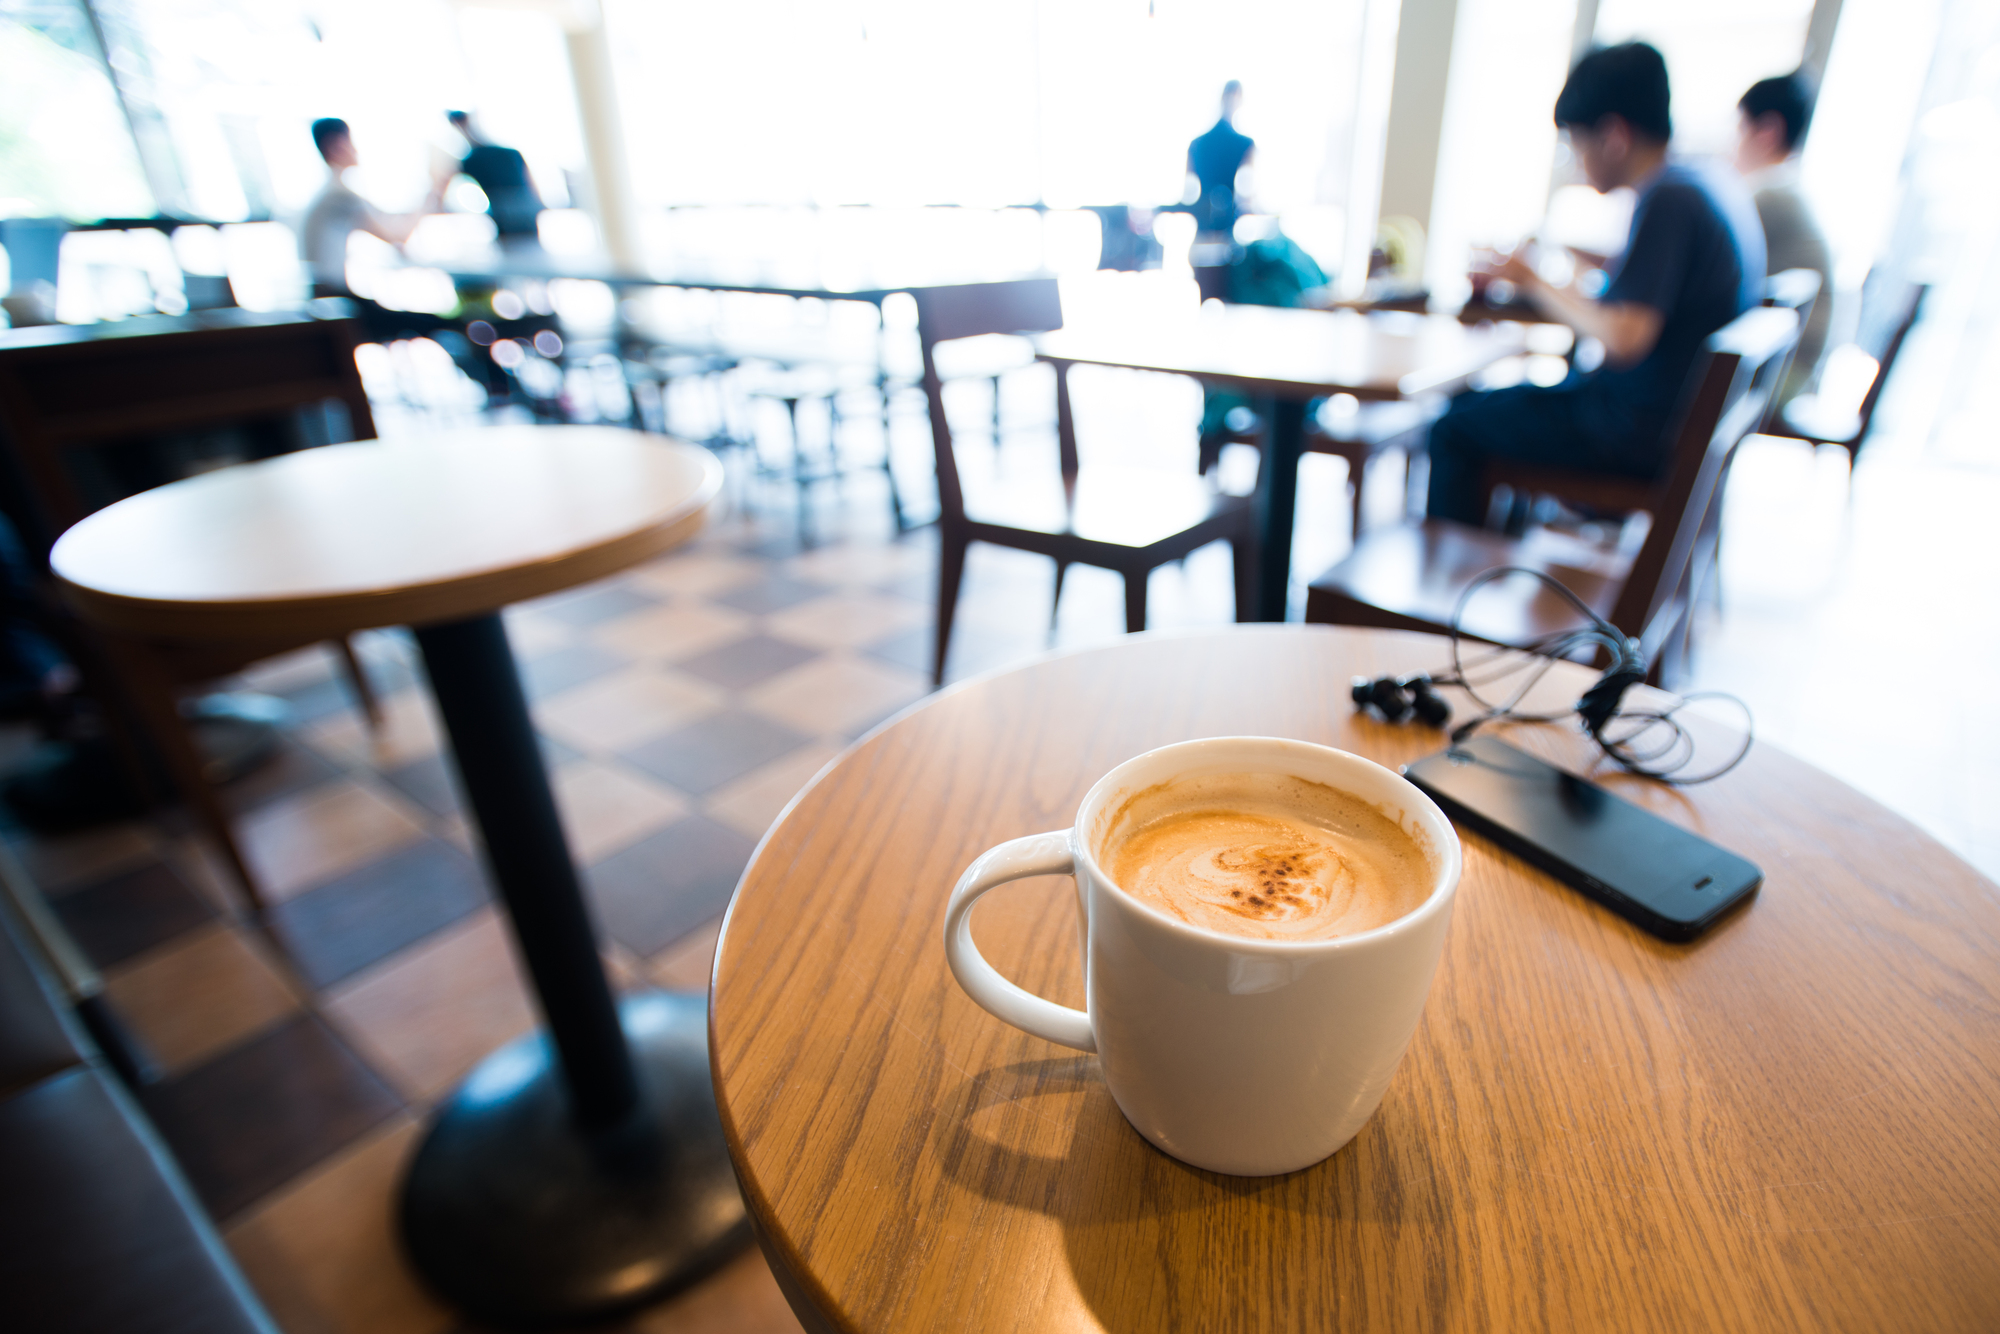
(1214, 159)
(1693, 261)
(502, 173)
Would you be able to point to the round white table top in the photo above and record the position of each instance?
(342, 538)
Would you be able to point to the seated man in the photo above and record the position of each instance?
(1693, 261)
(1771, 123)
(335, 214)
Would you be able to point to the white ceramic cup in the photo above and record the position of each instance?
(1251, 1057)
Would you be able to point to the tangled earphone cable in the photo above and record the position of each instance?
(1651, 742)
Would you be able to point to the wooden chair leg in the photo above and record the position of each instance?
(1357, 476)
(358, 682)
(1055, 603)
(1135, 600)
(147, 686)
(951, 572)
(1243, 556)
(996, 414)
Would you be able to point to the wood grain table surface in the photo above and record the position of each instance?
(1291, 353)
(1790, 1123)
(347, 537)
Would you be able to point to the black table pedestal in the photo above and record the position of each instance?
(1276, 504)
(583, 1171)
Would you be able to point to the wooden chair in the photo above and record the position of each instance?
(1890, 307)
(65, 390)
(1410, 577)
(1126, 519)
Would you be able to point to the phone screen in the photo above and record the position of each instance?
(1653, 873)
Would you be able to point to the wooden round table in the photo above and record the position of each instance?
(1789, 1123)
(571, 1174)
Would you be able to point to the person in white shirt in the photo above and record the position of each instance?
(337, 212)
(1771, 124)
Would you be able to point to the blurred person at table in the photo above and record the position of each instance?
(1214, 159)
(1771, 125)
(337, 212)
(1693, 261)
(512, 200)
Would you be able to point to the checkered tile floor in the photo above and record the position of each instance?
(682, 705)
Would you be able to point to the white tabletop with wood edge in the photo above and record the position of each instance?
(1787, 1124)
(348, 537)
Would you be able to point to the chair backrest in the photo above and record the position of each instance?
(1794, 289)
(1728, 392)
(68, 387)
(969, 310)
(1890, 305)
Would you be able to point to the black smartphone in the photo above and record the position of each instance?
(1648, 871)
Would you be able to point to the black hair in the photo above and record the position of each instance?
(1789, 96)
(325, 130)
(1628, 81)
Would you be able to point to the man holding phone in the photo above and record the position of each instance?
(1693, 261)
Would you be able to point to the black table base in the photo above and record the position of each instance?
(518, 1218)
(582, 1172)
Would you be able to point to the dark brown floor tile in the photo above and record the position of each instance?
(130, 913)
(430, 782)
(663, 887)
(258, 1115)
(366, 915)
(591, 606)
(550, 673)
(767, 595)
(747, 661)
(705, 755)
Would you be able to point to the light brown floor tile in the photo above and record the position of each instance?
(741, 1299)
(684, 965)
(301, 841)
(622, 967)
(606, 807)
(753, 801)
(624, 708)
(850, 564)
(529, 633)
(323, 1253)
(65, 861)
(410, 731)
(673, 630)
(847, 620)
(693, 572)
(835, 693)
(199, 994)
(431, 1013)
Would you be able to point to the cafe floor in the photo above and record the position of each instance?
(684, 703)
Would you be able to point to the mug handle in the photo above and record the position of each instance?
(1037, 854)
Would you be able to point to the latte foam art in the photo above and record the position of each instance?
(1270, 874)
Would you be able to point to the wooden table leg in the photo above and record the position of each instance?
(579, 1172)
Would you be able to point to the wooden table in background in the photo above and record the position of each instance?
(1288, 357)
(578, 1171)
(1787, 1124)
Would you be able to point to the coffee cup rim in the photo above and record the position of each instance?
(1449, 853)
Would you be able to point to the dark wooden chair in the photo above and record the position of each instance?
(1126, 519)
(66, 390)
(1410, 577)
(1890, 307)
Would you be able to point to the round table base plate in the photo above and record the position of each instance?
(518, 1219)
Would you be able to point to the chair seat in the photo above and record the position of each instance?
(1376, 425)
(1410, 577)
(983, 357)
(1133, 508)
(1808, 418)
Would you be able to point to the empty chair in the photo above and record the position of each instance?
(1890, 306)
(1131, 520)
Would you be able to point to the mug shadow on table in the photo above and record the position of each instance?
(1154, 1244)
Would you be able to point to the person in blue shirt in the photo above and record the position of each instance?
(1213, 160)
(1692, 262)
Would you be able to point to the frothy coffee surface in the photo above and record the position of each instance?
(1265, 856)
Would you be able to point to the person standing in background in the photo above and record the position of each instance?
(502, 173)
(1213, 160)
(1771, 124)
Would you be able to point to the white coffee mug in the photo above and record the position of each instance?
(1245, 1056)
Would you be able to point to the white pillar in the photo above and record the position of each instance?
(1416, 109)
(611, 201)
